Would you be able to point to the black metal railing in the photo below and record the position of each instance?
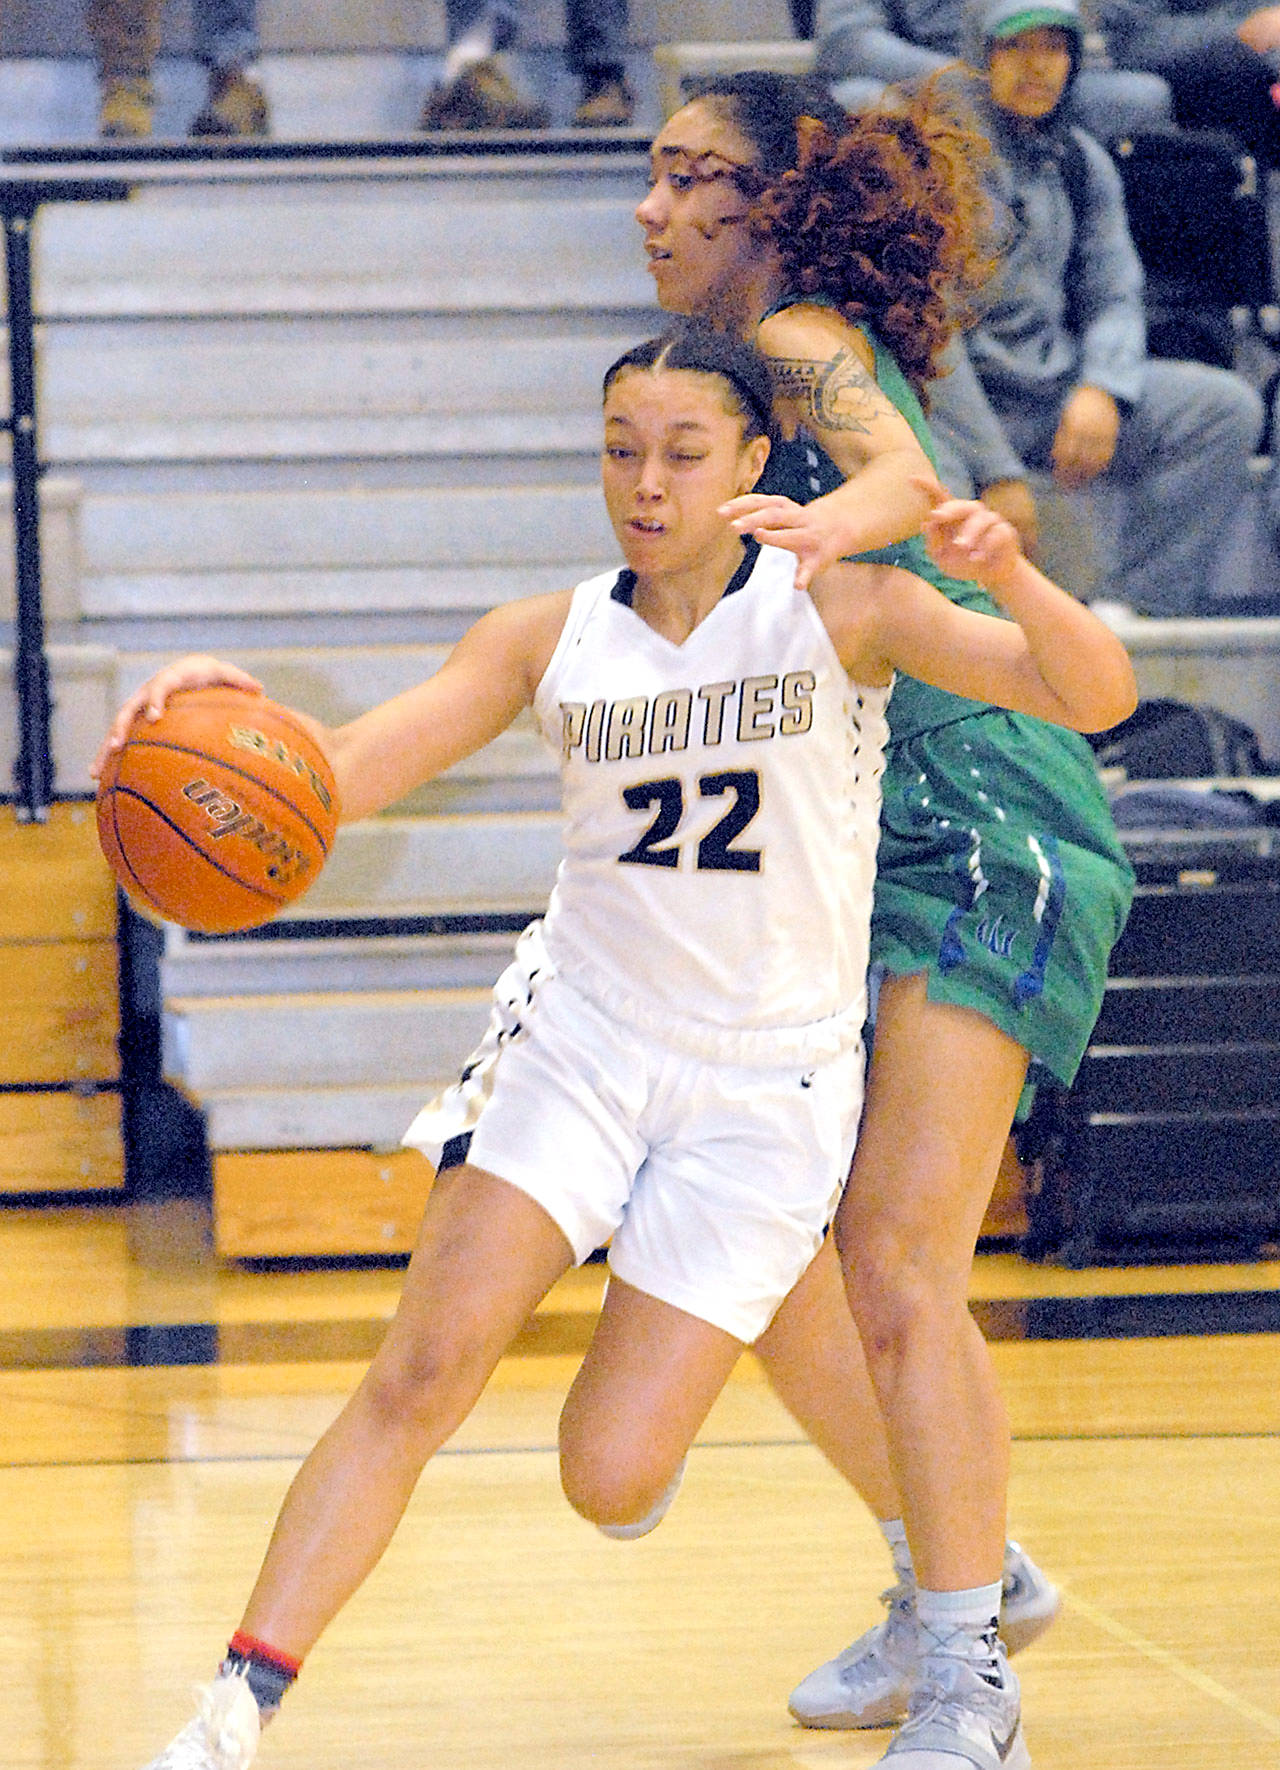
(108, 172)
(21, 197)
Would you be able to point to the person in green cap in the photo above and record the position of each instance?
(1054, 378)
(862, 45)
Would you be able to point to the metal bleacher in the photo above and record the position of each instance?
(320, 418)
(316, 407)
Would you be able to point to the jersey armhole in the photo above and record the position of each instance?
(583, 600)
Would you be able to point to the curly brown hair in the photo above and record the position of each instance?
(882, 212)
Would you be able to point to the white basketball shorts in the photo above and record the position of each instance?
(712, 1183)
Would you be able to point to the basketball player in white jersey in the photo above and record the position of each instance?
(676, 1066)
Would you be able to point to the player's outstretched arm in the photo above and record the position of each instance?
(1063, 651)
(1052, 658)
(489, 677)
(377, 758)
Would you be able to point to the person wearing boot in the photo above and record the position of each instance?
(126, 40)
(476, 92)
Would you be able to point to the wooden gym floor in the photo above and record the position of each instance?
(154, 1405)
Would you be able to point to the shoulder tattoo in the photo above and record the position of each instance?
(836, 395)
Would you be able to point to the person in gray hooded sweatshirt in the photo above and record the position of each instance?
(863, 44)
(1054, 377)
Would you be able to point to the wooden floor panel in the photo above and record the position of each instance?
(501, 1630)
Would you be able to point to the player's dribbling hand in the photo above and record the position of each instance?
(196, 671)
(967, 539)
(776, 521)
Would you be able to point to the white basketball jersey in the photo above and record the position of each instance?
(721, 802)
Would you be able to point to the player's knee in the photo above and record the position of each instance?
(894, 1280)
(409, 1389)
(886, 1298)
(606, 1485)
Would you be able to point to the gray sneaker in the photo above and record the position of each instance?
(224, 1734)
(1029, 1601)
(869, 1683)
(957, 1718)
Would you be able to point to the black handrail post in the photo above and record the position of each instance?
(34, 771)
(21, 194)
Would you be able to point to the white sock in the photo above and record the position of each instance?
(628, 1533)
(962, 1622)
(895, 1534)
(473, 46)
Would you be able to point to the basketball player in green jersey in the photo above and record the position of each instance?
(836, 243)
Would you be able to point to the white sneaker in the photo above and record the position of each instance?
(1116, 615)
(957, 1718)
(869, 1683)
(629, 1533)
(224, 1734)
(1029, 1601)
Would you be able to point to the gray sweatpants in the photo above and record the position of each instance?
(1182, 459)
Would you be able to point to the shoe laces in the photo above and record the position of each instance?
(1014, 1583)
(230, 1724)
(900, 1604)
(951, 1680)
(890, 1643)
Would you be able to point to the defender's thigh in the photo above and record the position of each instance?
(942, 1089)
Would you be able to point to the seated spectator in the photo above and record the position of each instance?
(126, 40)
(1220, 61)
(476, 91)
(863, 44)
(1273, 444)
(1054, 377)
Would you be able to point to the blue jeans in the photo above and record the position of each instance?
(126, 34)
(225, 32)
(596, 30)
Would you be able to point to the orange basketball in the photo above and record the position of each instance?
(219, 813)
